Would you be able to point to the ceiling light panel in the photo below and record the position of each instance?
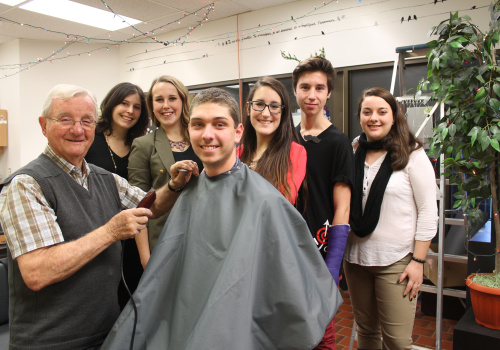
(79, 13)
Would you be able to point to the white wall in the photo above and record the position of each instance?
(9, 100)
(23, 94)
(210, 54)
(354, 40)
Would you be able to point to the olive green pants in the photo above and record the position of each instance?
(379, 307)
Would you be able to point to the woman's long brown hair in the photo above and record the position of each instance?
(275, 162)
(400, 141)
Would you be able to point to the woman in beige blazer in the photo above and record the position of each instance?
(153, 154)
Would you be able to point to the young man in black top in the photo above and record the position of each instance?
(329, 159)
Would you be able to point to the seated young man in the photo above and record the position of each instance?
(235, 266)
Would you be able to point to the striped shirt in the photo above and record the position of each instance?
(27, 219)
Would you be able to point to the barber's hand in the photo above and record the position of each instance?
(415, 274)
(128, 223)
(181, 173)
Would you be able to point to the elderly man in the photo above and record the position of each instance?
(235, 266)
(63, 219)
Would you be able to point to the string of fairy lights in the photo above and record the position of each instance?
(181, 40)
(73, 38)
(150, 34)
(233, 37)
(219, 40)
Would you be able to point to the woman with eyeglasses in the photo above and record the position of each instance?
(153, 155)
(124, 117)
(270, 142)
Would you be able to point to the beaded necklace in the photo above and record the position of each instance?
(110, 152)
(180, 145)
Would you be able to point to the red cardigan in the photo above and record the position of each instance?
(297, 172)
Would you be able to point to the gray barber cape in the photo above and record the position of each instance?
(235, 267)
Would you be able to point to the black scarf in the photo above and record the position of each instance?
(363, 224)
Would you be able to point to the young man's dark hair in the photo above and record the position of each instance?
(220, 97)
(314, 64)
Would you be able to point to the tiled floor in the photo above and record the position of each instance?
(424, 330)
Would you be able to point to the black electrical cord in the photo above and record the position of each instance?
(145, 202)
(131, 299)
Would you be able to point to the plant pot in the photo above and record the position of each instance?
(485, 303)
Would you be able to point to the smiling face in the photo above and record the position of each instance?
(376, 118)
(312, 93)
(70, 143)
(214, 136)
(264, 122)
(167, 104)
(126, 114)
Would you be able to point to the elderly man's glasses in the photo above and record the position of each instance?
(259, 106)
(86, 123)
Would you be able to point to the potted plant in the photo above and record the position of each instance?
(463, 74)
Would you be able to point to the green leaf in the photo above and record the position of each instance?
(452, 38)
(435, 63)
(468, 30)
(482, 110)
(495, 145)
(456, 204)
(480, 78)
(417, 94)
(480, 93)
(452, 130)
(473, 134)
(444, 133)
(484, 68)
(484, 141)
(495, 104)
(458, 195)
(442, 28)
(456, 45)
(496, 88)
(464, 205)
(495, 37)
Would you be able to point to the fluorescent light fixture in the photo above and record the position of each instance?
(75, 12)
(11, 2)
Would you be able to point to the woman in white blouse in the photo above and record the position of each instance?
(393, 219)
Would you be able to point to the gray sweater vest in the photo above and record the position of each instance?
(78, 312)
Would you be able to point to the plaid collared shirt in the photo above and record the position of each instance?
(27, 219)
